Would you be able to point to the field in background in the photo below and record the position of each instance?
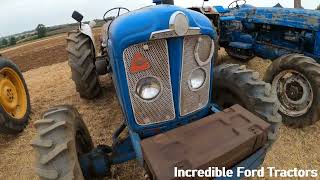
(40, 53)
(48, 77)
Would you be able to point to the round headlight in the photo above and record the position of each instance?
(148, 88)
(179, 23)
(197, 79)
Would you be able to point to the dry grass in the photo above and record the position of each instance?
(51, 85)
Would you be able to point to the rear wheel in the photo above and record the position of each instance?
(296, 80)
(15, 105)
(234, 84)
(81, 61)
(62, 137)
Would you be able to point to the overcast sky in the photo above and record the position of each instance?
(21, 15)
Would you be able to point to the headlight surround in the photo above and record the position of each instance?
(148, 88)
(204, 50)
(197, 79)
(179, 23)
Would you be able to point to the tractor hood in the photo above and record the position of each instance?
(296, 18)
(137, 26)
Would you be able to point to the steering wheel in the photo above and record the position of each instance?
(118, 14)
(237, 6)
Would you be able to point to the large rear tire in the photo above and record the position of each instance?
(62, 137)
(296, 79)
(81, 61)
(234, 84)
(15, 105)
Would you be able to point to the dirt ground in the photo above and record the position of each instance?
(40, 53)
(51, 85)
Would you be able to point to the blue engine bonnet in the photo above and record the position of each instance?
(136, 27)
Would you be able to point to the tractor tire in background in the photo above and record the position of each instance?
(81, 61)
(61, 138)
(243, 58)
(15, 105)
(234, 84)
(296, 80)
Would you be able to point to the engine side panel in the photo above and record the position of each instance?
(296, 18)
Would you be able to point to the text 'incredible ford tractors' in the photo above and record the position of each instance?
(161, 59)
(15, 105)
(290, 38)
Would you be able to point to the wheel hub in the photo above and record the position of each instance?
(9, 94)
(294, 93)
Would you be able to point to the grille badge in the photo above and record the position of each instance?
(139, 63)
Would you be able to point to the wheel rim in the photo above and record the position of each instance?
(13, 97)
(294, 93)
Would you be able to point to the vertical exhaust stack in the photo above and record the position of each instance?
(297, 4)
(164, 2)
(168, 2)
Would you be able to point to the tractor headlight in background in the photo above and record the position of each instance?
(197, 79)
(179, 23)
(148, 88)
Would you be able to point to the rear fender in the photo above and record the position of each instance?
(87, 30)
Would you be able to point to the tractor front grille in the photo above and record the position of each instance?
(162, 108)
(193, 100)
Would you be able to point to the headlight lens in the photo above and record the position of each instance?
(180, 23)
(148, 88)
(197, 79)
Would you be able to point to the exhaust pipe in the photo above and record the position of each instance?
(157, 2)
(168, 2)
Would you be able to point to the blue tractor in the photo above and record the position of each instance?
(161, 59)
(288, 37)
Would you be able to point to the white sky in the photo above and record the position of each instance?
(21, 15)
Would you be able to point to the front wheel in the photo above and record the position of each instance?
(15, 105)
(62, 137)
(234, 84)
(296, 80)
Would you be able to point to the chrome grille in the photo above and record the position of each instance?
(190, 100)
(162, 108)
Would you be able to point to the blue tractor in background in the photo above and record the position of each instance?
(179, 110)
(290, 38)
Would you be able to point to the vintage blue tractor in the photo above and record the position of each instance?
(162, 62)
(289, 37)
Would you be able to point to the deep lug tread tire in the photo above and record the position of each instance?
(81, 62)
(311, 70)
(9, 125)
(56, 143)
(234, 84)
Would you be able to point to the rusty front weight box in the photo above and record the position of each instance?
(219, 140)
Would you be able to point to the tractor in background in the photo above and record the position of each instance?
(288, 37)
(179, 110)
(15, 105)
